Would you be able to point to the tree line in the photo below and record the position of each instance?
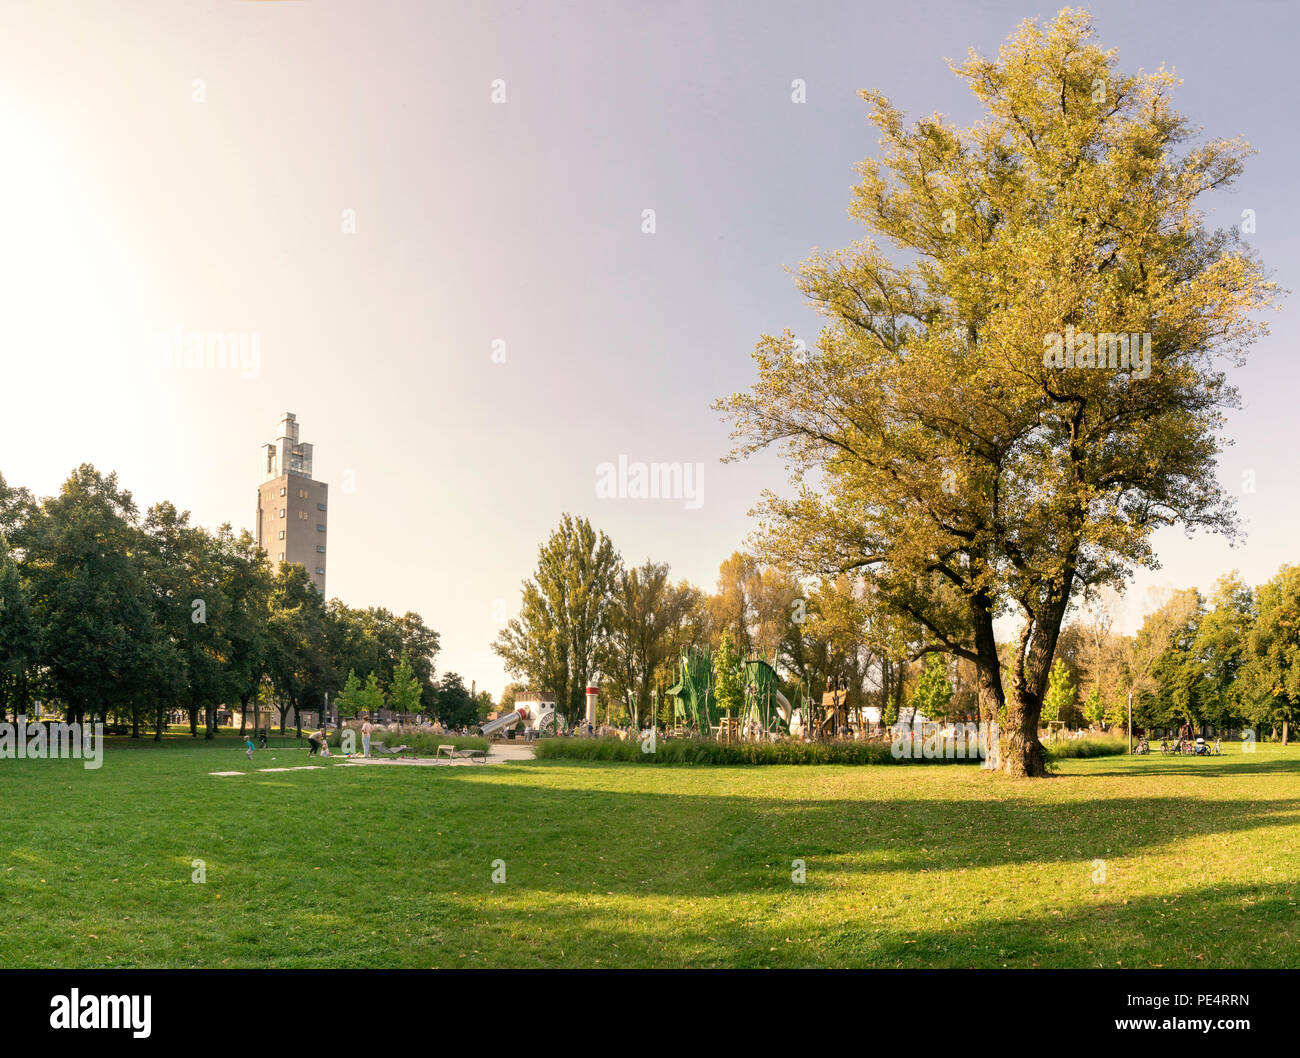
(1221, 664)
(585, 613)
(126, 617)
(1224, 662)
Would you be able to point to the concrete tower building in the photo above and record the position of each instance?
(291, 505)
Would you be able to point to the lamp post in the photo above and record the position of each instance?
(1130, 723)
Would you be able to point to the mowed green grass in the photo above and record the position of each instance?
(618, 865)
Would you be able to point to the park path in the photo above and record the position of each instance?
(498, 753)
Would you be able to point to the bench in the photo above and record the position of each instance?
(478, 756)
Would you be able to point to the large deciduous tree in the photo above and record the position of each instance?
(557, 639)
(935, 442)
(86, 567)
(19, 635)
(1272, 671)
(299, 664)
(646, 612)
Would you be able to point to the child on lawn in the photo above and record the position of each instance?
(248, 742)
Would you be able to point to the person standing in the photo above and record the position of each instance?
(366, 728)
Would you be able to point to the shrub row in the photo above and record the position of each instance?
(1101, 746)
(707, 751)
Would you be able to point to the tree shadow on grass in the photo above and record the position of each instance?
(676, 844)
(1212, 766)
(1233, 926)
(669, 873)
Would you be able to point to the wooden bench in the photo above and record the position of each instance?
(478, 756)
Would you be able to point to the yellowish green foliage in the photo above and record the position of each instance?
(930, 444)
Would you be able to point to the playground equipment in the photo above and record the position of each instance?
(835, 713)
(766, 712)
(502, 722)
(536, 713)
(694, 704)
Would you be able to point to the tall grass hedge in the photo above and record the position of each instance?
(708, 751)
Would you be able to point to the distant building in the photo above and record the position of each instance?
(292, 507)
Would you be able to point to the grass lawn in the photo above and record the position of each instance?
(609, 864)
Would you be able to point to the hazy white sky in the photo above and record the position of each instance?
(184, 167)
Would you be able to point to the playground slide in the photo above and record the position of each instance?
(503, 721)
(783, 706)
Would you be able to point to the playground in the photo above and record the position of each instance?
(691, 709)
(1135, 861)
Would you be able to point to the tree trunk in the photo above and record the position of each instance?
(988, 670)
(1020, 751)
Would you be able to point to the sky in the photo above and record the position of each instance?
(427, 222)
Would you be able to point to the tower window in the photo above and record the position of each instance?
(281, 534)
(320, 548)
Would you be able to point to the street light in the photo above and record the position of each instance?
(1130, 722)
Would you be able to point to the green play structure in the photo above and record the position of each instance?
(766, 710)
(694, 704)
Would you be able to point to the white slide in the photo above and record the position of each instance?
(783, 706)
(503, 721)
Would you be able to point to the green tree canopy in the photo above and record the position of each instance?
(1272, 673)
(933, 691)
(406, 693)
(728, 680)
(954, 461)
(456, 708)
(557, 640)
(1062, 692)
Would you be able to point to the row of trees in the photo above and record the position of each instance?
(1228, 661)
(121, 616)
(1223, 663)
(583, 613)
(457, 706)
